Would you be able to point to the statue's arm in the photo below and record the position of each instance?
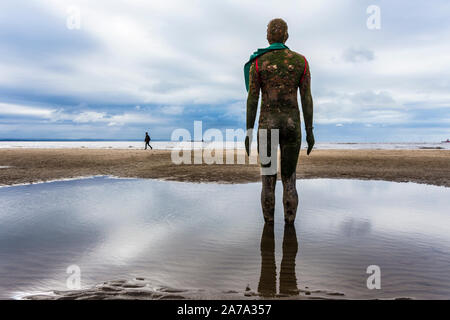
(306, 97)
(307, 107)
(253, 97)
(252, 103)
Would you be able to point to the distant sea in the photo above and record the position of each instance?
(168, 145)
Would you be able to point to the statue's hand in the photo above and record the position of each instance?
(310, 141)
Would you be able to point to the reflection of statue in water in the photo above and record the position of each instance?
(288, 280)
(278, 72)
(268, 280)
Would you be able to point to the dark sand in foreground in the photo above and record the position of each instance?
(35, 165)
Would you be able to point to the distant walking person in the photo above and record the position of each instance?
(147, 141)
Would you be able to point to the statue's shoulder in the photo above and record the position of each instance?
(284, 53)
(284, 57)
(294, 55)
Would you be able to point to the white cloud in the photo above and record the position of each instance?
(126, 118)
(171, 110)
(236, 111)
(22, 110)
(59, 115)
(358, 55)
(89, 116)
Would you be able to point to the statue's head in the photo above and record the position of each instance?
(277, 31)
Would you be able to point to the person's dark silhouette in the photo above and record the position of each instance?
(268, 278)
(147, 141)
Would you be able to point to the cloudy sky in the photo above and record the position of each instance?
(134, 66)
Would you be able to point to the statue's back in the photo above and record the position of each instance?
(280, 73)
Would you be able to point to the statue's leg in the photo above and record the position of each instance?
(290, 198)
(268, 180)
(268, 197)
(290, 147)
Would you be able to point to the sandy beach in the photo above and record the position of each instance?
(18, 166)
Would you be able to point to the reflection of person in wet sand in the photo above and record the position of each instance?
(147, 141)
(268, 279)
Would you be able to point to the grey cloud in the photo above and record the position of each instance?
(372, 98)
(356, 55)
(30, 31)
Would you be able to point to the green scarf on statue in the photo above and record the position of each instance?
(256, 54)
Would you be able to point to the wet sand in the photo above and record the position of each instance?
(142, 289)
(36, 165)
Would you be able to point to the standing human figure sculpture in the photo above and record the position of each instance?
(279, 72)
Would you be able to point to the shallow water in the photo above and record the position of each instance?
(212, 237)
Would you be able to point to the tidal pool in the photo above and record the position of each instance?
(211, 238)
